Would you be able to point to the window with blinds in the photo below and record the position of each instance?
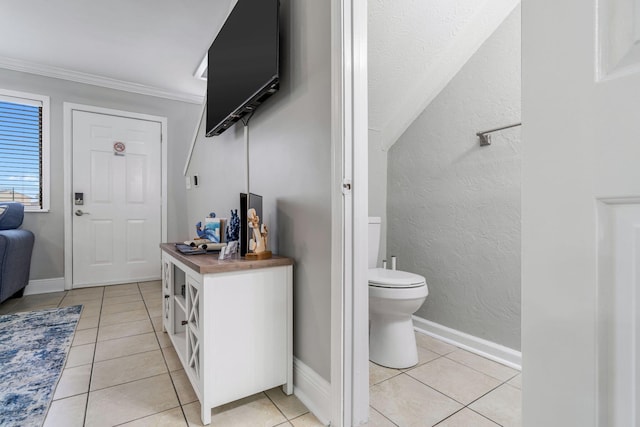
(24, 149)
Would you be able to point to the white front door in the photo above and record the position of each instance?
(581, 213)
(117, 174)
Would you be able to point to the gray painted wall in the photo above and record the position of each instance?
(453, 207)
(48, 253)
(290, 156)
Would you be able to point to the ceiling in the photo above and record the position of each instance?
(155, 47)
(146, 46)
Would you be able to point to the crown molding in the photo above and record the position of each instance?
(95, 80)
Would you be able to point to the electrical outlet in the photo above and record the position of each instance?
(188, 182)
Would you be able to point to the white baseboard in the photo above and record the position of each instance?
(312, 390)
(44, 286)
(117, 282)
(479, 346)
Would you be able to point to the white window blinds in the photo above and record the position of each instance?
(21, 151)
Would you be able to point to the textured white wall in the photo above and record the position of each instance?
(290, 156)
(415, 48)
(453, 207)
(48, 253)
(394, 62)
(378, 187)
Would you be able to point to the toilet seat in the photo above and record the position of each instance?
(384, 278)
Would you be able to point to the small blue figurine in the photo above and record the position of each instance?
(199, 231)
(233, 229)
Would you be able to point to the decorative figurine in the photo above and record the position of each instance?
(232, 236)
(233, 229)
(199, 231)
(228, 251)
(258, 244)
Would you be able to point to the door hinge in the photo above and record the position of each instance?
(346, 187)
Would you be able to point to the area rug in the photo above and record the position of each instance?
(33, 349)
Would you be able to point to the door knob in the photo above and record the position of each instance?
(80, 213)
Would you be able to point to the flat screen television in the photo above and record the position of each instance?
(243, 67)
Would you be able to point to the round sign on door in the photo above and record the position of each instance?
(119, 148)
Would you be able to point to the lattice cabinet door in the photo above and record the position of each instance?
(194, 348)
(167, 283)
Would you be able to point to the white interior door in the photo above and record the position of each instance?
(117, 229)
(581, 213)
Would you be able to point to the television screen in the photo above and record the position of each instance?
(243, 63)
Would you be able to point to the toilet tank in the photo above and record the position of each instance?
(374, 240)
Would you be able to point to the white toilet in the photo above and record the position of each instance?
(394, 296)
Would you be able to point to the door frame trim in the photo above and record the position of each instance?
(349, 151)
(68, 108)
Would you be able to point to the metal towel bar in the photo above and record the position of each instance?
(485, 137)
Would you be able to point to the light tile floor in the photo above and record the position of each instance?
(450, 387)
(122, 370)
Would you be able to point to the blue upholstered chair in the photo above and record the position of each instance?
(16, 247)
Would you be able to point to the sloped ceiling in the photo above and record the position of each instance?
(145, 46)
(155, 46)
(415, 48)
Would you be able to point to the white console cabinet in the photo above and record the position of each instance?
(230, 323)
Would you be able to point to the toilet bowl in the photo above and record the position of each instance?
(394, 296)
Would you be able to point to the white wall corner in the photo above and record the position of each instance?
(481, 347)
(312, 390)
(452, 59)
(375, 140)
(44, 286)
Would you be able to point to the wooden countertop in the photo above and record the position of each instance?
(209, 263)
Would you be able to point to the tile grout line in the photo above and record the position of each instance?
(150, 415)
(277, 408)
(464, 406)
(406, 370)
(101, 301)
(448, 416)
(53, 392)
(383, 416)
(480, 397)
(432, 388)
(490, 391)
(164, 358)
(86, 405)
(127, 355)
(281, 411)
(484, 416)
(168, 372)
(482, 372)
